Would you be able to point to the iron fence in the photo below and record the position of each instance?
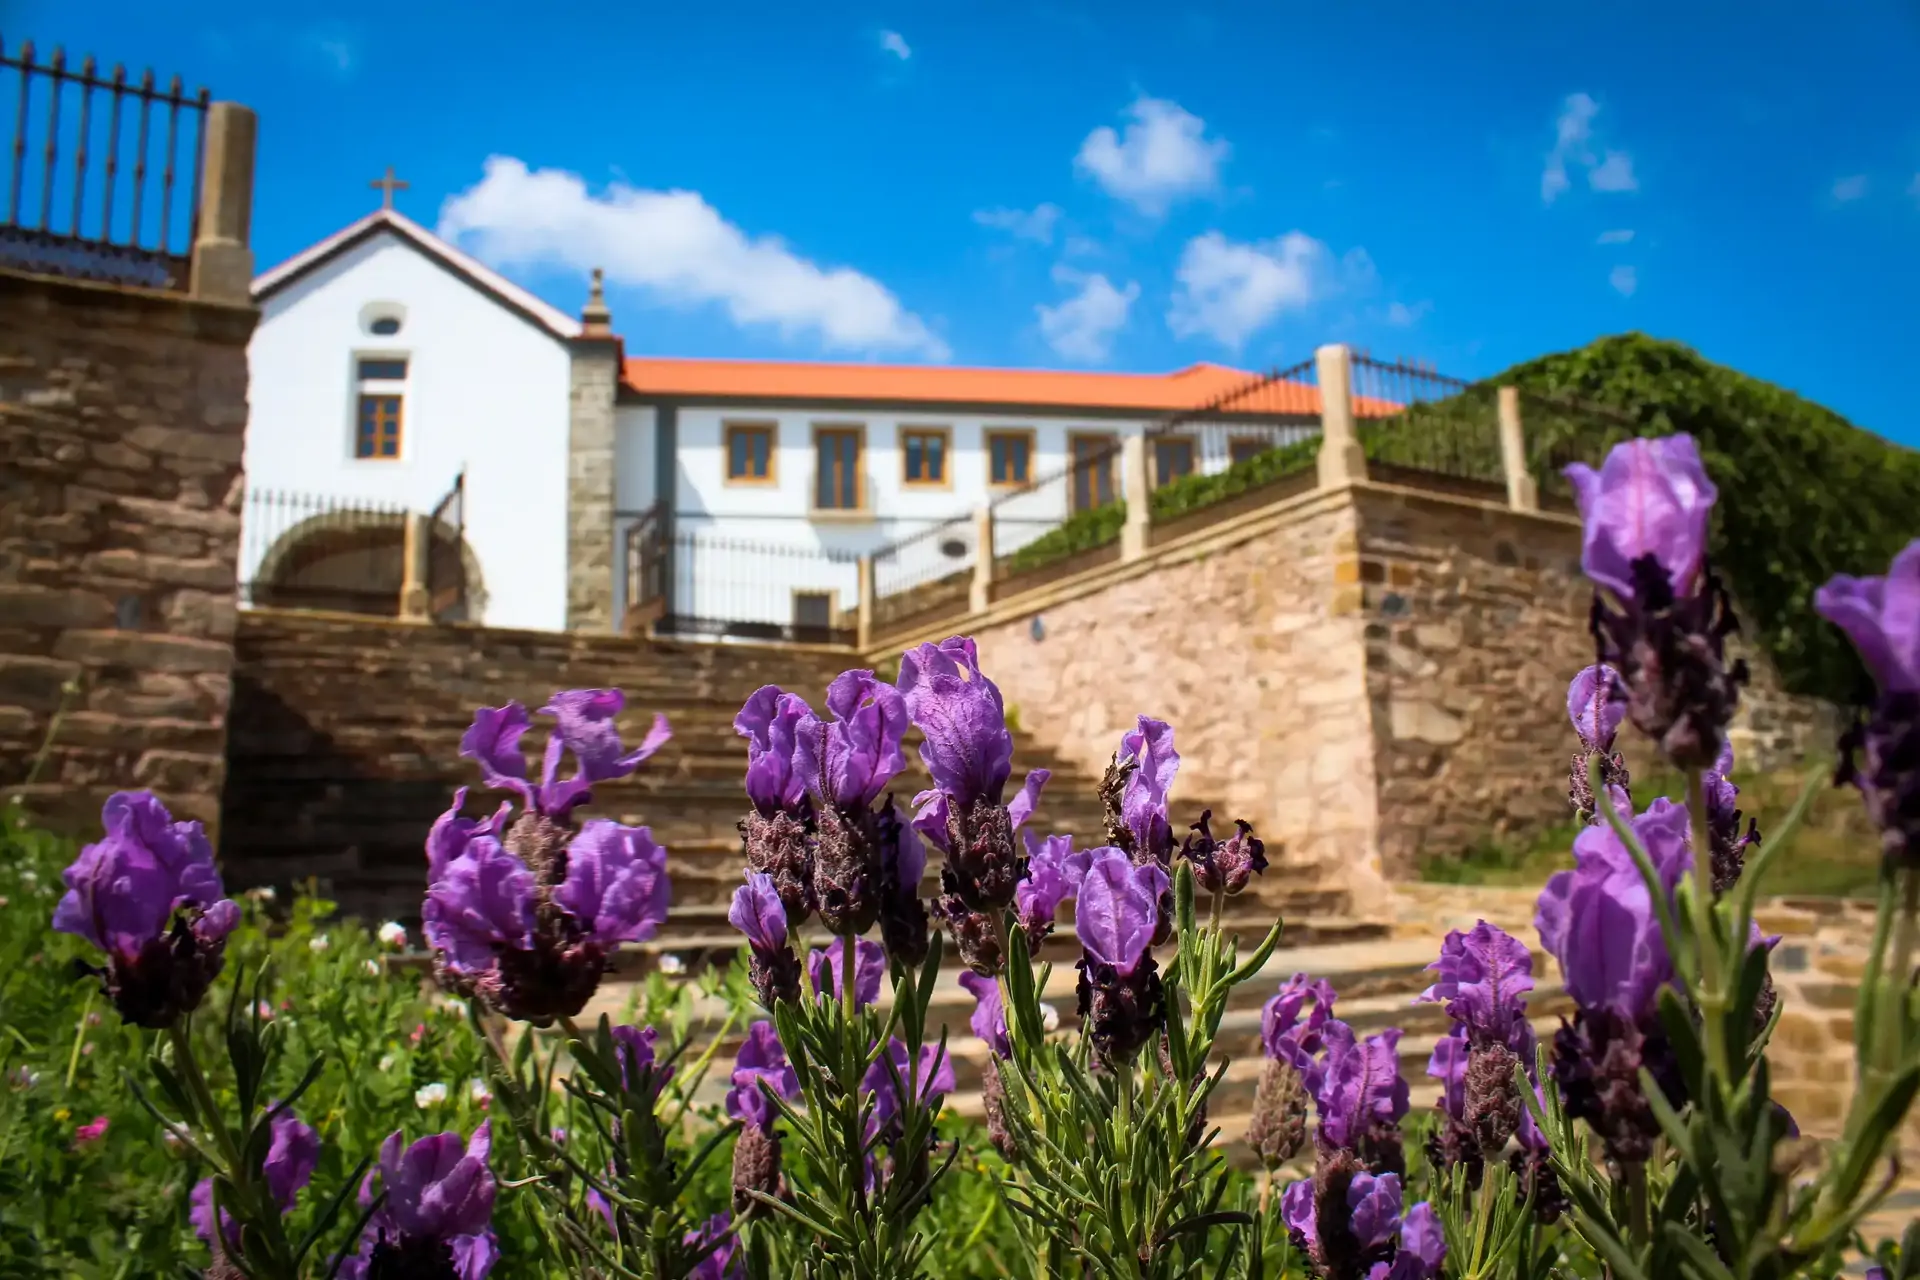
(68, 215)
(1411, 418)
(308, 551)
(1560, 430)
(449, 592)
(731, 588)
(1246, 448)
(928, 571)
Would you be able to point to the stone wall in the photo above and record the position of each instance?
(1247, 642)
(121, 419)
(345, 740)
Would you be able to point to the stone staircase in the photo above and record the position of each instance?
(345, 734)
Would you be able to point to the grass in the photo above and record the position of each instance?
(1835, 853)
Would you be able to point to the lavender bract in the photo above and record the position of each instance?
(436, 1220)
(1483, 979)
(640, 1069)
(1728, 844)
(293, 1149)
(1646, 514)
(1277, 1129)
(758, 912)
(774, 834)
(1880, 755)
(1115, 916)
(149, 896)
(721, 1262)
(1596, 704)
(1351, 1228)
(1361, 1099)
(968, 749)
(827, 971)
(760, 1069)
(1134, 794)
(1054, 872)
(846, 764)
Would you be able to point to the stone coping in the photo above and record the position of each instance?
(1196, 545)
(512, 635)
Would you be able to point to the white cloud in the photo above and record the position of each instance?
(1087, 247)
(1573, 150)
(1083, 327)
(677, 247)
(1036, 224)
(1163, 156)
(1228, 291)
(1624, 281)
(896, 44)
(1615, 237)
(1400, 315)
(1850, 189)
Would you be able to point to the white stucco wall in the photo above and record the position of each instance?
(486, 391)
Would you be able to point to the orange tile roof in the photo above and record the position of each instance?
(1188, 388)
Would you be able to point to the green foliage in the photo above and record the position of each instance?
(1082, 531)
(1804, 494)
(1194, 492)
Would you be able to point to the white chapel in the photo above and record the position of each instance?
(570, 481)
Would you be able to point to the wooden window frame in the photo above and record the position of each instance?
(772, 431)
(1110, 441)
(945, 436)
(1258, 444)
(1161, 481)
(858, 430)
(399, 399)
(1023, 434)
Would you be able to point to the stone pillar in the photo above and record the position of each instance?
(222, 268)
(863, 614)
(595, 385)
(1138, 488)
(1523, 492)
(415, 547)
(980, 595)
(1342, 460)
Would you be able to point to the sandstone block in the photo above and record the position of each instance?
(144, 651)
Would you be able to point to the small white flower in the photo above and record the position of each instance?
(263, 894)
(317, 943)
(393, 936)
(672, 965)
(28, 878)
(1049, 1017)
(452, 1006)
(371, 967)
(387, 1061)
(479, 1092)
(429, 1095)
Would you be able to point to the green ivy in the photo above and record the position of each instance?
(1804, 494)
(1193, 492)
(1082, 531)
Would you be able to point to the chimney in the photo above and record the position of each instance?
(595, 320)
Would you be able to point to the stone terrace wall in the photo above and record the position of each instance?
(1476, 618)
(121, 419)
(1249, 645)
(346, 732)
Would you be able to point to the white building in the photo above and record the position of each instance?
(734, 497)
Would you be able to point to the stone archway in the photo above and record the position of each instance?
(340, 561)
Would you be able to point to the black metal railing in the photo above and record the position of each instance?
(929, 570)
(648, 570)
(309, 551)
(733, 588)
(102, 183)
(1560, 430)
(1412, 419)
(1252, 445)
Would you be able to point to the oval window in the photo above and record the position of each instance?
(384, 326)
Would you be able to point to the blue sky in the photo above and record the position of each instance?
(1117, 185)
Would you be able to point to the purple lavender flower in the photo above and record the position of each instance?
(827, 970)
(1120, 990)
(1277, 1128)
(534, 949)
(989, 1017)
(1881, 755)
(583, 725)
(1360, 1096)
(774, 834)
(1223, 866)
(293, 1149)
(640, 1069)
(847, 763)
(1483, 978)
(1350, 1227)
(1727, 843)
(1600, 923)
(1143, 800)
(968, 749)
(1054, 872)
(1596, 703)
(758, 912)
(934, 1080)
(1646, 513)
(761, 1059)
(437, 1217)
(148, 895)
(723, 1263)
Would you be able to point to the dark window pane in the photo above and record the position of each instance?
(1020, 450)
(916, 457)
(936, 458)
(760, 451)
(997, 459)
(1172, 459)
(813, 610)
(1245, 448)
(382, 370)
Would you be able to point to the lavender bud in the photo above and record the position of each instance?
(756, 1167)
(993, 1097)
(777, 847)
(1278, 1128)
(973, 934)
(1596, 1064)
(1493, 1107)
(981, 855)
(1121, 1011)
(846, 871)
(1223, 866)
(1533, 1171)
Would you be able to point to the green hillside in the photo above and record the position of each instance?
(1804, 494)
